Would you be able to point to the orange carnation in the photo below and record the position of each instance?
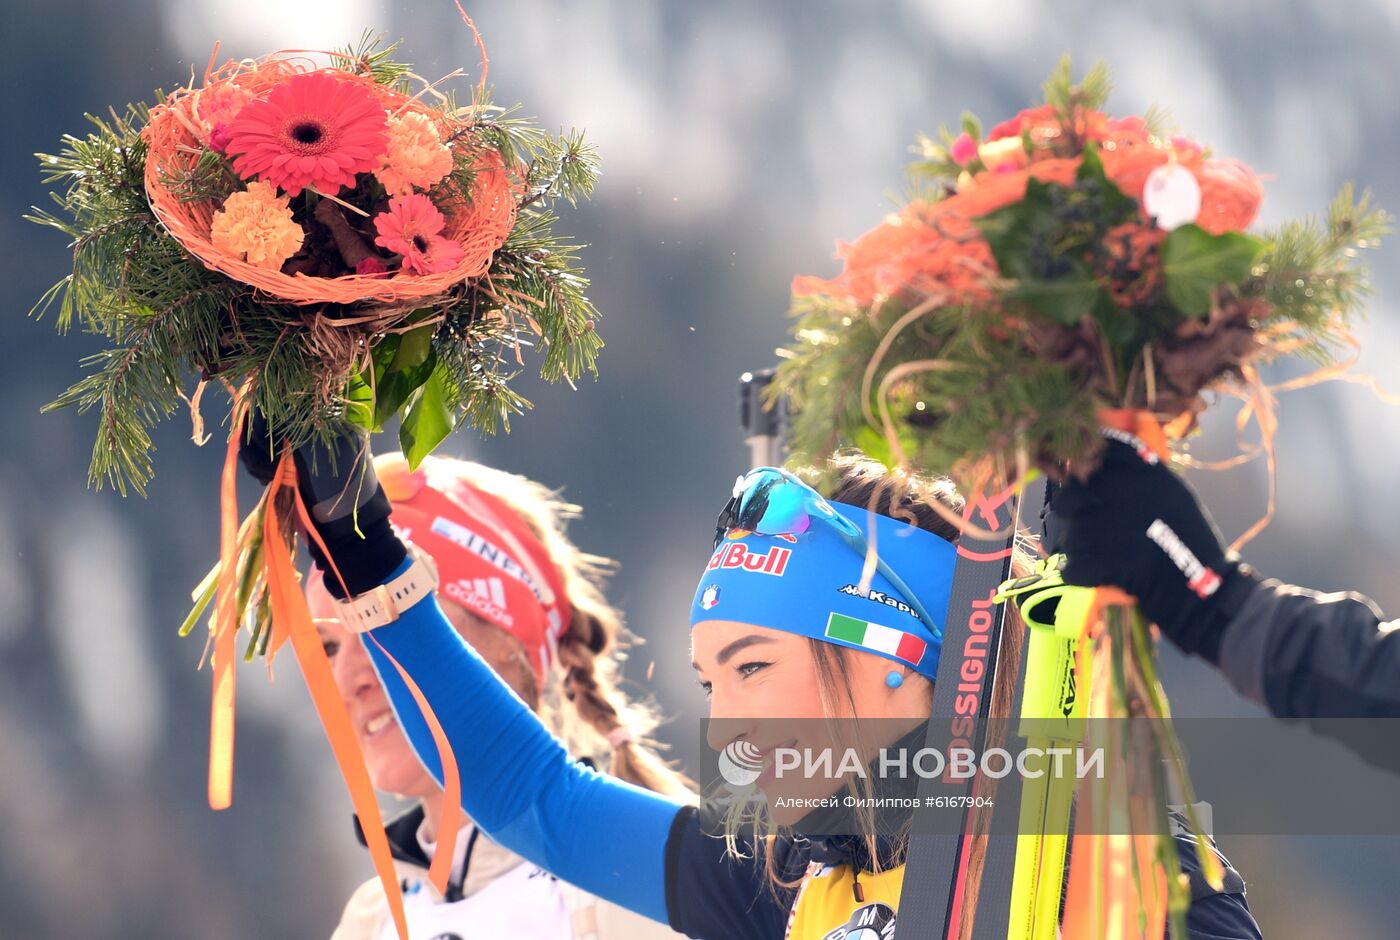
(220, 104)
(920, 249)
(415, 156)
(257, 226)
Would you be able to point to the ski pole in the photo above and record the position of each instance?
(1053, 708)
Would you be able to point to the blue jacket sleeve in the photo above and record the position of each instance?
(518, 782)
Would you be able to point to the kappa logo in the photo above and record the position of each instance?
(879, 597)
(710, 599)
(485, 597)
(737, 556)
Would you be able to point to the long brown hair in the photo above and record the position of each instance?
(581, 699)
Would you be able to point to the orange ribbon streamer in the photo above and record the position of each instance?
(290, 608)
(226, 618)
(1103, 897)
(291, 619)
(440, 869)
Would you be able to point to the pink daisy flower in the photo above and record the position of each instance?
(412, 226)
(442, 254)
(312, 130)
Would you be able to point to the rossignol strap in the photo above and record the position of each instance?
(936, 875)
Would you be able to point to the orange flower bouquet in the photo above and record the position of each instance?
(344, 240)
(1063, 272)
(1060, 265)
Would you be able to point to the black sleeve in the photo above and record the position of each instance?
(1214, 915)
(1309, 657)
(712, 893)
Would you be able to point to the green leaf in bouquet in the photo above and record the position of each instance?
(1195, 263)
(1115, 206)
(402, 364)
(1123, 330)
(1065, 300)
(1020, 233)
(428, 421)
(359, 403)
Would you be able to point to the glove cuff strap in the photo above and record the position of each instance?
(384, 604)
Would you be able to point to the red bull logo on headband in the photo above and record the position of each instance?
(736, 555)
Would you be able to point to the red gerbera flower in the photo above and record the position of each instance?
(412, 227)
(314, 130)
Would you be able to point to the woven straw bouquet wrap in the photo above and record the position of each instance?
(479, 219)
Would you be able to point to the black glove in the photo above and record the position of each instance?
(344, 500)
(1137, 526)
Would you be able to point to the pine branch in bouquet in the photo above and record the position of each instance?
(208, 179)
(103, 210)
(370, 56)
(1070, 98)
(536, 264)
(516, 138)
(1310, 275)
(938, 410)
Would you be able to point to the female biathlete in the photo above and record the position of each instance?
(779, 629)
(544, 627)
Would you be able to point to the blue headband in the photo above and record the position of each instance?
(809, 584)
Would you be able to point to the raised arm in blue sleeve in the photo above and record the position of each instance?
(519, 784)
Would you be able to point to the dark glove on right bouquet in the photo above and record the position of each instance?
(1136, 525)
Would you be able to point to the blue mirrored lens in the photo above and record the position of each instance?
(774, 504)
(770, 501)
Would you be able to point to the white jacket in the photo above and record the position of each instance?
(495, 893)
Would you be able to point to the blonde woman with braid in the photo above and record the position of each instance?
(516, 589)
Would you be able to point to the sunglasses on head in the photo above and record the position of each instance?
(772, 501)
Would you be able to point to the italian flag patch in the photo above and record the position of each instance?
(876, 638)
